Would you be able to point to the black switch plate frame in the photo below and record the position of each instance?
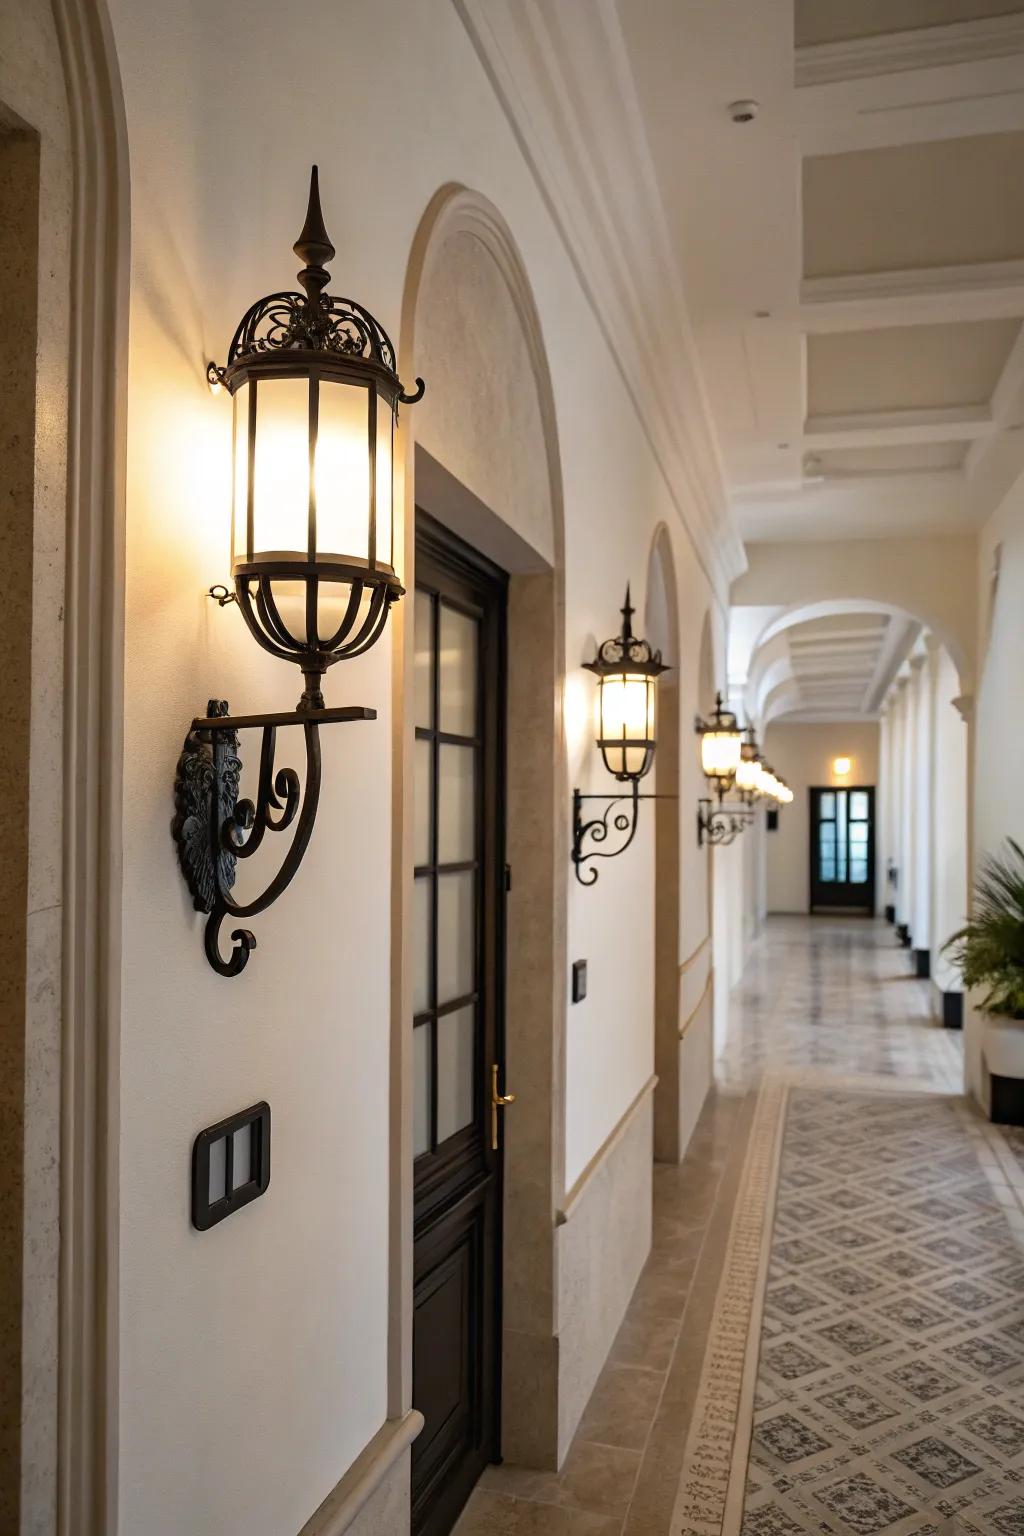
(206, 1213)
(579, 980)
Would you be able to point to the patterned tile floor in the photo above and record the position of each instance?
(890, 1386)
(890, 1389)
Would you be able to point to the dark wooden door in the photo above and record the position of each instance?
(458, 986)
(843, 850)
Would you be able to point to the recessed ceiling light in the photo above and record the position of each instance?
(743, 111)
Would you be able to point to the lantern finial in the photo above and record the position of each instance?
(314, 244)
(627, 617)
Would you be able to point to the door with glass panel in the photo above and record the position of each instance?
(457, 1025)
(843, 850)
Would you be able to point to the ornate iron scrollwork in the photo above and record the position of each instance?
(213, 828)
(599, 827)
(719, 826)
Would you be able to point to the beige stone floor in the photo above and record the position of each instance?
(829, 999)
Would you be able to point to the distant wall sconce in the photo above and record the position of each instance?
(841, 767)
(627, 672)
(315, 389)
(731, 760)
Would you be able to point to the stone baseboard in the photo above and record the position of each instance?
(1006, 1100)
(903, 934)
(922, 963)
(949, 1008)
(890, 914)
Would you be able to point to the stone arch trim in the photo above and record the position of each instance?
(538, 851)
(667, 862)
(93, 711)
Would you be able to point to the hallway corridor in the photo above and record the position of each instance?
(829, 1333)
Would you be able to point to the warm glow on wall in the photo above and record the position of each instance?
(841, 767)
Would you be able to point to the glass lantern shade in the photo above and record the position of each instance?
(748, 772)
(627, 734)
(627, 672)
(315, 393)
(721, 745)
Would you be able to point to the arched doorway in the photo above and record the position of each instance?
(504, 505)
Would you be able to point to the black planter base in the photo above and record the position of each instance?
(1007, 1100)
(953, 1010)
(890, 914)
(922, 963)
(903, 934)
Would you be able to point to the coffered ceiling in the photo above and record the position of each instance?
(853, 258)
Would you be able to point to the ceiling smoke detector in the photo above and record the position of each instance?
(743, 111)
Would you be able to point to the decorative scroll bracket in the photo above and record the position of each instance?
(213, 829)
(597, 829)
(719, 825)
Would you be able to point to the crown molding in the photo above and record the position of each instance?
(962, 42)
(563, 78)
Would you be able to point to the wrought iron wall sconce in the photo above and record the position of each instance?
(731, 762)
(627, 672)
(315, 389)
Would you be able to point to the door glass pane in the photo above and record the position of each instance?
(457, 807)
(421, 944)
(828, 868)
(858, 871)
(423, 684)
(458, 660)
(424, 768)
(455, 936)
(421, 1090)
(858, 805)
(858, 836)
(827, 806)
(455, 1072)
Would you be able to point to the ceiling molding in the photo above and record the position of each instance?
(965, 42)
(563, 79)
(1006, 402)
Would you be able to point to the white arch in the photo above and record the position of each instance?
(801, 613)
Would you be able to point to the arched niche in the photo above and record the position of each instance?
(485, 463)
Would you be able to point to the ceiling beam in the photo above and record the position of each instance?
(869, 301)
(923, 48)
(896, 429)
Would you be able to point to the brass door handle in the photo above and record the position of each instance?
(498, 1101)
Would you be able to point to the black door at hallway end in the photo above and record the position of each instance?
(458, 1023)
(843, 850)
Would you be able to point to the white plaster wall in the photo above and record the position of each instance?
(253, 1358)
(803, 755)
(949, 898)
(998, 809)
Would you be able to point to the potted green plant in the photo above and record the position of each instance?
(989, 954)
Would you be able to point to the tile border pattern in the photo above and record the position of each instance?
(715, 1460)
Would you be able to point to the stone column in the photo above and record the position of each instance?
(902, 808)
(883, 843)
(925, 672)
